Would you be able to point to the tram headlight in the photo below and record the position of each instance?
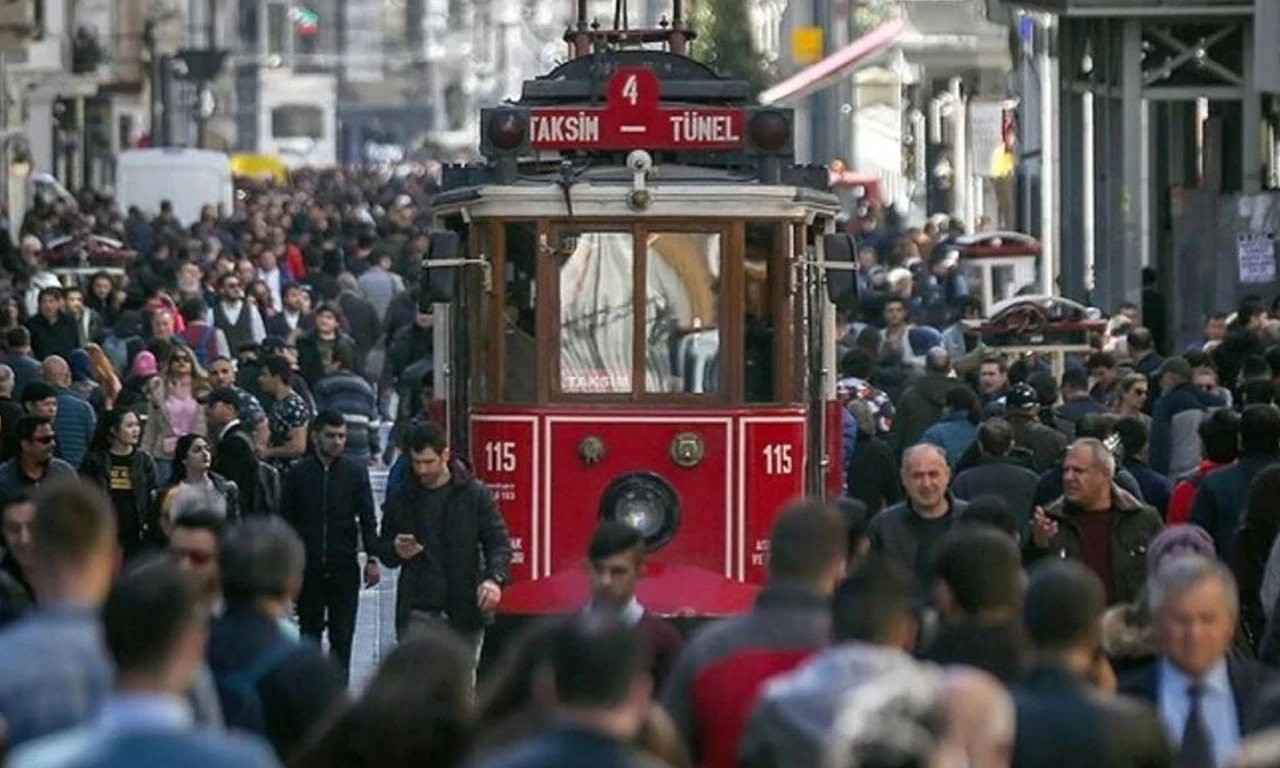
(506, 130)
(646, 502)
(769, 130)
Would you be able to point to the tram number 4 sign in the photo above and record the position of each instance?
(634, 118)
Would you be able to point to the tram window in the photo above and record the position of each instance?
(597, 313)
(518, 328)
(682, 313)
(758, 323)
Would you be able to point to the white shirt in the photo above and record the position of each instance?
(1217, 708)
(631, 613)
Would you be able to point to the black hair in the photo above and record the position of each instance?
(1063, 605)
(995, 437)
(1097, 425)
(1141, 340)
(28, 423)
(1075, 379)
(202, 520)
(595, 659)
(146, 614)
(612, 538)
(857, 363)
(1260, 429)
(327, 418)
(982, 566)
(872, 601)
(856, 520)
(36, 391)
(1220, 435)
(104, 434)
(277, 366)
(992, 511)
(807, 538)
(1133, 434)
(426, 435)
(961, 399)
(260, 557)
(192, 310)
(1258, 392)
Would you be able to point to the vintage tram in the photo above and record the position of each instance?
(633, 307)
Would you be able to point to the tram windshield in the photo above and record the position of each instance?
(677, 276)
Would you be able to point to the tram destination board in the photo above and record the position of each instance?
(634, 118)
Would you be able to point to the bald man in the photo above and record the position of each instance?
(910, 530)
(75, 420)
(981, 719)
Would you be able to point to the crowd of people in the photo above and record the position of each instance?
(1032, 564)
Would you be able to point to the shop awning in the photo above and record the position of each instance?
(826, 72)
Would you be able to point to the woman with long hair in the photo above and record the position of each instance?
(193, 481)
(104, 373)
(415, 712)
(1134, 391)
(128, 474)
(172, 408)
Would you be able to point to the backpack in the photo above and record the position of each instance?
(204, 345)
(238, 691)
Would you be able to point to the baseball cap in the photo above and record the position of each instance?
(1020, 396)
(221, 395)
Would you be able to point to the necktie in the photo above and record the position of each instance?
(1197, 745)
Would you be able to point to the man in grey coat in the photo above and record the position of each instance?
(873, 627)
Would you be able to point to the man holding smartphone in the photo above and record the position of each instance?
(442, 528)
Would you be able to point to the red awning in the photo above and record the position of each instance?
(815, 77)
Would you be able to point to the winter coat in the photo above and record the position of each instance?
(921, 405)
(1134, 526)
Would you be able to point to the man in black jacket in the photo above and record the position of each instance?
(234, 456)
(1062, 720)
(328, 500)
(442, 528)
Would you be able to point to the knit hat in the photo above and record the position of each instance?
(1177, 541)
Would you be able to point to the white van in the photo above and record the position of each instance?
(188, 178)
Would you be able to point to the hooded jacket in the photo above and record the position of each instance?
(922, 405)
(473, 535)
(796, 711)
(1133, 527)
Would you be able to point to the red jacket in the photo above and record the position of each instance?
(1184, 493)
(713, 690)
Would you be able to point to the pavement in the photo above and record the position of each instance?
(375, 619)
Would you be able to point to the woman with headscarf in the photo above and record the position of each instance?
(133, 393)
(83, 384)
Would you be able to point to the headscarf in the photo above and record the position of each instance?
(1176, 541)
(81, 366)
(144, 364)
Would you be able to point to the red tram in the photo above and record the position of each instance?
(633, 302)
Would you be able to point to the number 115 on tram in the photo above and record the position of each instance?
(633, 307)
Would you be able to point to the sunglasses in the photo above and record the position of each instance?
(43, 439)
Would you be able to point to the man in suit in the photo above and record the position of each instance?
(1206, 701)
(234, 456)
(1063, 722)
(155, 626)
